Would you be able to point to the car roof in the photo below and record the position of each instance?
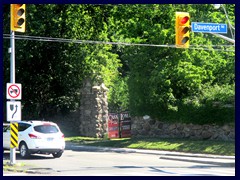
(37, 122)
(33, 122)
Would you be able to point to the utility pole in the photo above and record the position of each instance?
(12, 80)
(13, 90)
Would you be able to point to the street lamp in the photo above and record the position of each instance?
(217, 6)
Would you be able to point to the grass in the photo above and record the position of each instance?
(181, 145)
(12, 167)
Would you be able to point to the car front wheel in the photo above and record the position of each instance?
(24, 152)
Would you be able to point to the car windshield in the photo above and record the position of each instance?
(6, 127)
(46, 129)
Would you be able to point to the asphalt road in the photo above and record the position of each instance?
(92, 161)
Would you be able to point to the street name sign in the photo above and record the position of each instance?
(209, 27)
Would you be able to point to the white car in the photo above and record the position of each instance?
(37, 137)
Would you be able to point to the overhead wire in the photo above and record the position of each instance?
(76, 41)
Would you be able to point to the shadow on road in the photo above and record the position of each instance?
(6, 156)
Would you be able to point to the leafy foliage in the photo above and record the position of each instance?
(152, 80)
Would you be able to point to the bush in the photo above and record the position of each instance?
(224, 94)
(213, 105)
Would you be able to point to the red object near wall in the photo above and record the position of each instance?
(125, 125)
(113, 126)
(125, 128)
(119, 125)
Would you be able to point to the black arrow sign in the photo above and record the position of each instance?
(15, 111)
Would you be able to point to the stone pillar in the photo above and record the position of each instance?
(93, 110)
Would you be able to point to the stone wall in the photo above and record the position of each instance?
(93, 111)
(145, 126)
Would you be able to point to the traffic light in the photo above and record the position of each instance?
(18, 19)
(182, 28)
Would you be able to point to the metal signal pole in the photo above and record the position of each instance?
(12, 80)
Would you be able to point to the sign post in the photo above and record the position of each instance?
(12, 80)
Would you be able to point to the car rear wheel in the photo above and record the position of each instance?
(57, 154)
(24, 152)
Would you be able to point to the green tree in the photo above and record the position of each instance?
(147, 79)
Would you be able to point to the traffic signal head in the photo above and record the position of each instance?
(182, 28)
(18, 19)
